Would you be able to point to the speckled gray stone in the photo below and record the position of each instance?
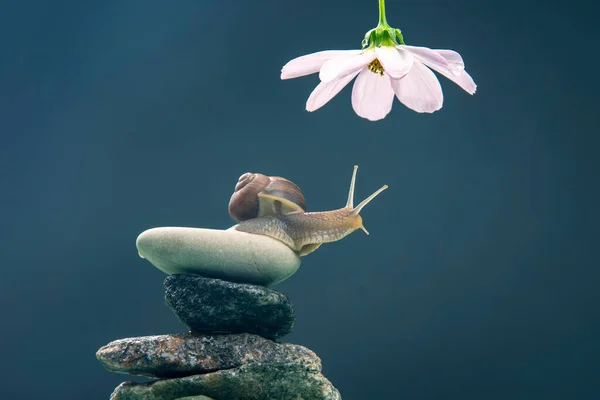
(214, 305)
(195, 398)
(225, 254)
(282, 380)
(167, 356)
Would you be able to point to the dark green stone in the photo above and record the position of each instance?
(214, 305)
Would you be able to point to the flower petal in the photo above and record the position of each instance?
(419, 90)
(434, 59)
(464, 80)
(311, 63)
(341, 66)
(396, 62)
(453, 59)
(325, 91)
(372, 95)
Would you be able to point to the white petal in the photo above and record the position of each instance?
(453, 59)
(464, 80)
(372, 95)
(396, 62)
(434, 59)
(311, 63)
(326, 90)
(337, 67)
(419, 90)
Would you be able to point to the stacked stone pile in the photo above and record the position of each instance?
(231, 352)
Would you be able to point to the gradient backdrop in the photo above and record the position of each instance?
(480, 277)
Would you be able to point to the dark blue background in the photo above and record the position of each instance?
(480, 277)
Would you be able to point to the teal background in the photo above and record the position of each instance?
(480, 277)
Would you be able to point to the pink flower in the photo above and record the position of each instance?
(384, 71)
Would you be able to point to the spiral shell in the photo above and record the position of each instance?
(245, 203)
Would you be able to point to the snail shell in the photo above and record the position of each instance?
(258, 195)
(275, 207)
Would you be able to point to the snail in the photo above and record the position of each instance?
(275, 207)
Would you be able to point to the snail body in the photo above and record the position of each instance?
(275, 207)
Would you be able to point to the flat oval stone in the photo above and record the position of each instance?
(170, 356)
(224, 254)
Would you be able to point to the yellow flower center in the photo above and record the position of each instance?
(376, 67)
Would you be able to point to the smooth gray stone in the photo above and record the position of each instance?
(283, 380)
(168, 356)
(225, 254)
(215, 305)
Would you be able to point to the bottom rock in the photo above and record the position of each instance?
(255, 381)
(195, 398)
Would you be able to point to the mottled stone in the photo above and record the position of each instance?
(187, 354)
(255, 381)
(224, 254)
(195, 398)
(214, 305)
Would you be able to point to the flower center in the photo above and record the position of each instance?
(376, 67)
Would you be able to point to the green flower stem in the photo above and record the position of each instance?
(382, 20)
(383, 34)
